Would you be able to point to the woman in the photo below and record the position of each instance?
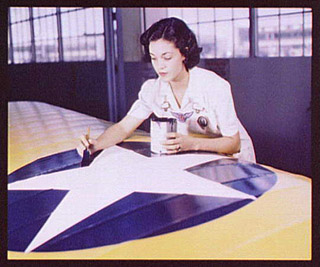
(199, 99)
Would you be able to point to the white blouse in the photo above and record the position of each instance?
(207, 108)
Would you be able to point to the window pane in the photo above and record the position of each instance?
(9, 48)
(68, 30)
(307, 34)
(83, 37)
(19, 14)
(206, 14)
(291, 35)
(82, 34)
(69, 24)
(42, 11)
(194, 29)
(90, 21)
(241, 36)
(97, 20)
(224, 39)
(69, 52)
(47, 51)
(78, 17)
(206, 40)
(190, 15)
(267, 11)
(45, 28)
(290, 10)
(175, 12)
(241, 12)
(223, 13)
(268, 37)
(21, 42)
(46, 39)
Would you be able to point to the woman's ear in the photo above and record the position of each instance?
(183, 57)
(184, 60)
(185, 54)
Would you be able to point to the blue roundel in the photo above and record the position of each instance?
(136, 216)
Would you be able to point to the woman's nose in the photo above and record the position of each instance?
(161, 64)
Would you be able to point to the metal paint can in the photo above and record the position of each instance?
(158, 130)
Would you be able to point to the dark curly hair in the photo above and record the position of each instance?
(176, 31)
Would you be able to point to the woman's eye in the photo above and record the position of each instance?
(153, 59)
(167, 58)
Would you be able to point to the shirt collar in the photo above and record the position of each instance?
(191, 92)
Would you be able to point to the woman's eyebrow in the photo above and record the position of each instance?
(151, 54)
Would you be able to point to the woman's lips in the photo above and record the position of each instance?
(163, 73)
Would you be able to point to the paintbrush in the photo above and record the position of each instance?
(86, 154)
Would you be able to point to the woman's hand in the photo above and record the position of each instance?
(85, 143)
(177, 142)
(225, 145)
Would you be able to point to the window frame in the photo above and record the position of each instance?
(59, 39)
(216, 22)
(254, 31)
(279, 16)
(253, 34)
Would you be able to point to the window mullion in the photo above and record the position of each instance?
(60, 41)
(11, 39)
(253, 30)
(198, 24)
(33, 42)
(110, 64)
(303, 32)
(233, 35)
(215, 32)
(279, 28)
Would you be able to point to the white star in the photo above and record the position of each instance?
(115, 174)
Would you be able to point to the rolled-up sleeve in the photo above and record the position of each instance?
(142, 107)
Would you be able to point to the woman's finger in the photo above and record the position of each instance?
(169, 142)
(92, 142)
(172, 135)
(179, 148)
(84, 141)
(174, 147)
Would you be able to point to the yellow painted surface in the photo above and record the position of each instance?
(266, 229)
(275, 226)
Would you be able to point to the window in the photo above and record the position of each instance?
(224, 32)
(284, 32)
(221, 32)
(9, 47)
(45, 34)
(41, 34)
(20, 32)
(82, 34)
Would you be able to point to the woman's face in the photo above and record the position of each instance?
(167, 60)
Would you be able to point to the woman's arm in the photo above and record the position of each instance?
(227, 144)
(113, 135)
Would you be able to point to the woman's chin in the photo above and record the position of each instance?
(164, 79)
